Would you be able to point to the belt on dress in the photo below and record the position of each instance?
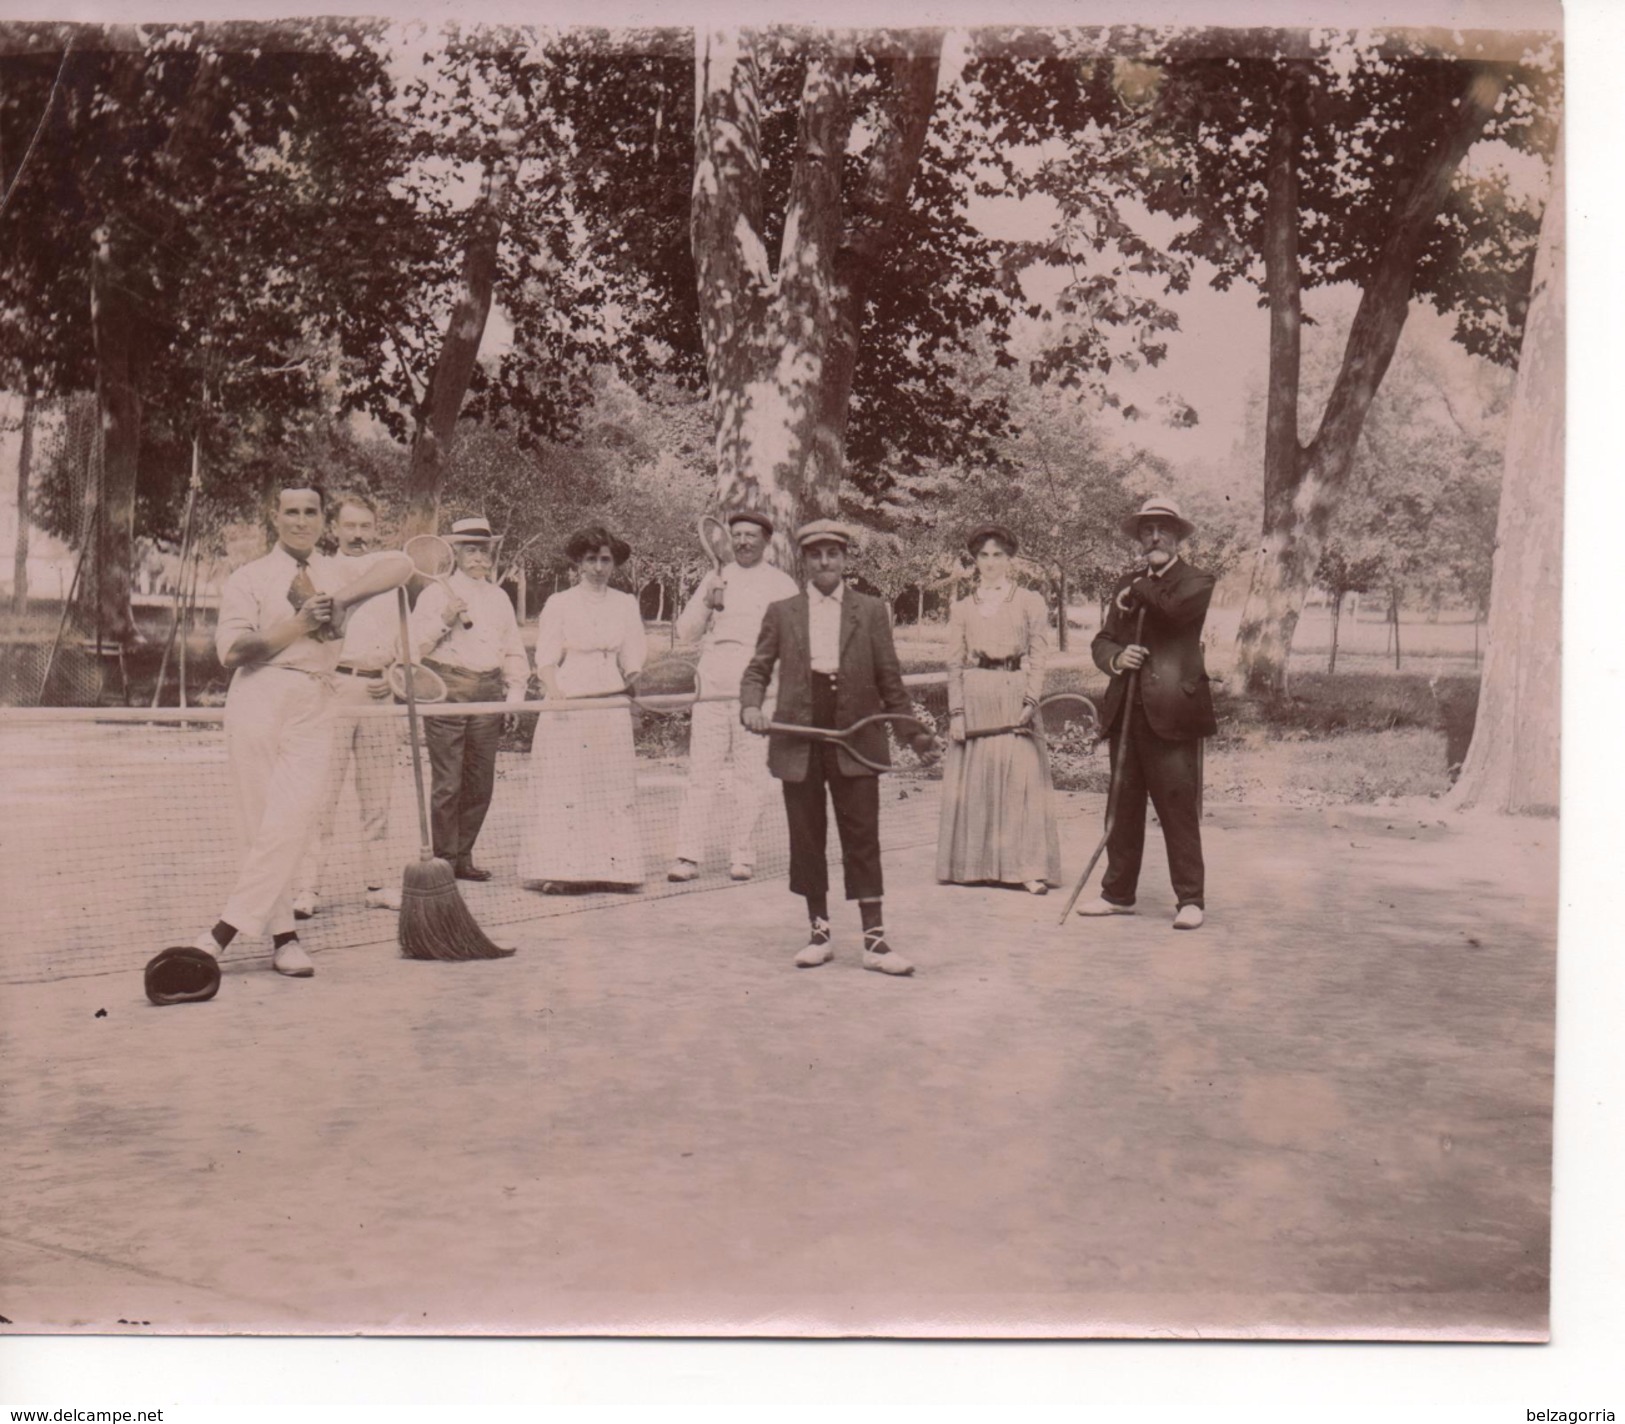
(1009, 664)
(349, 671)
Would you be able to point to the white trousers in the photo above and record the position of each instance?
(723, 758)
(279, 735)
(368, 745)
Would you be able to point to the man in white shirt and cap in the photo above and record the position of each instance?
(725, 615)
(280, 617)
(468, 634)
(372, 639)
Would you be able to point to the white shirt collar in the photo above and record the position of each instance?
(813, 591)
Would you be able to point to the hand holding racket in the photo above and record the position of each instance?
(918, 733)
(433, 558)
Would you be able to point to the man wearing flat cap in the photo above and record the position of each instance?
(465, 630)
(724, 616)
(832, 647)
(1172, 711)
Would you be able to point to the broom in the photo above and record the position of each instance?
(434, 922)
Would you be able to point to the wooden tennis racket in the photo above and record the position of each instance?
(715, 540)
(1057, 715)
(426, 684)
(843, 736)
(435, 559)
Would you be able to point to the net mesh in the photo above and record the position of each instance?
(120, 827)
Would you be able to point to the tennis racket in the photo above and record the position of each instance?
(1059, 715)
(714, 539)
(427, 684)
(910, 726)
(434, 559)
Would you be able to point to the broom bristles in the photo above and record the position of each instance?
(435, 923)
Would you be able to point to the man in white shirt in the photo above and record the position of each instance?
(725, 614)
(279, 620)
(372, 641)
(470, 636)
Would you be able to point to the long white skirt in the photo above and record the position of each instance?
(583, 825)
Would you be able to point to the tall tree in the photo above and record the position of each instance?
(210, 236)
(1513, 763)
(1301, 159)
(781, 339)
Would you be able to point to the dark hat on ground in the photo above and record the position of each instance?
(182, 974)
(991, 531)
(750, 516)
(1159, 507)
(823, 531)
(472, 531)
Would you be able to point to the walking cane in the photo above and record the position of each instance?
(1130, 687)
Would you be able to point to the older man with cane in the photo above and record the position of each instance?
(1158, 755)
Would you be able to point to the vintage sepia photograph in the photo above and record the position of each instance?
(738, 677)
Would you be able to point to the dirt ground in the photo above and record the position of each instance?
(1328, 1113)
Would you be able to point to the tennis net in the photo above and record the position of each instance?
(119, 825)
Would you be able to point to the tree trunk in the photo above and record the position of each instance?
(460, 347)
(1063, 634)
(1393, 617)
(25, 462)
(115, 324)
(1302, 485)
(781, 349)
(1337, 615)
(118, 449)
(1512, 765)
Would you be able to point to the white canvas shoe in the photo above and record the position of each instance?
(292, 960)
(818, 949)
(1190, 917)
(741, 870)
(682, 871)
(1101, 906)
(305, 904)
(207, 943)
(386, 897)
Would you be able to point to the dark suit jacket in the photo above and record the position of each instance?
(1173, 681)
(869, 680)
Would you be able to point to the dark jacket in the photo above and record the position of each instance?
(869, 680)
(1173, 682)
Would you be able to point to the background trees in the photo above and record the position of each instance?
(1295, 160)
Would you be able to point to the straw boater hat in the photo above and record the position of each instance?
(472, 531)
(750, 516)
(823, 531)
(1161, 507)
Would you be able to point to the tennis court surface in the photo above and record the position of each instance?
(1326, 1113)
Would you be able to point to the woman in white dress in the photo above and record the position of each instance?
(998, 814)
(583, 825)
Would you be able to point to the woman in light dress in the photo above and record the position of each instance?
(998, 815)
(583, 826)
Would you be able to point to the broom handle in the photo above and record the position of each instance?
(426, 851)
